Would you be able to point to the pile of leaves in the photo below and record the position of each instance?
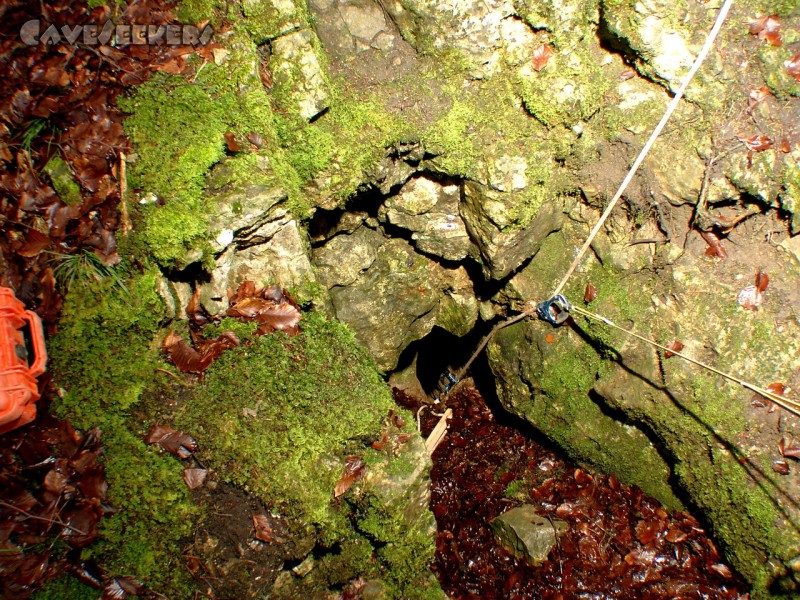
(53, 496)
(271, 308)
(61, 139)
(619, 543)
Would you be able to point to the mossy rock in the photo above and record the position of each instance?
(662, 423)
(103, 361)
(279, 416)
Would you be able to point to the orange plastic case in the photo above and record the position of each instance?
(18, 387)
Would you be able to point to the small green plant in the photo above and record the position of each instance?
(32, 131)
(82, 267)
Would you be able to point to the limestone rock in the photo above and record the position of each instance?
(406, 492)
(489, 219)
(430, 210)
(240, 214)
(458, 308)
(650, 29)
(527, 534)
(352, 26)
(176, 295)
(340, 261)
(269, 19)
(490, 33)
(297, 73)
(398, 166)
(276, 253)
(393, 302)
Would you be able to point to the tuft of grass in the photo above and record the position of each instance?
(83, 267)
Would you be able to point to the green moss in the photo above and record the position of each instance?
(104, 359)
(64, 184)
(177, 129)
(790, 194)
(194, 11)
(315, 395)
(244, 331)
(486, 125)
(156, 514)
(738, 509)
(771, 61)
(572, 87)
(181, 123)
(103, 353)
(350, 140)
(66, 587)
(386, 507)
(263, 21)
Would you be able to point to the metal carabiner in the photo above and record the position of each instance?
(554, 311)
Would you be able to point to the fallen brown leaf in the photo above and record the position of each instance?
(793, 66)
(231, 143)
(173, 441)
(762, 281)
(35, 243)
(674, 346)
(279, 317)
(767, 28)
(262, 528)
(780, 466)
(194, 478)
(354, 469)
(541, 56)
(757, 143)
(121, 588)
(722, 570)
(183, 356)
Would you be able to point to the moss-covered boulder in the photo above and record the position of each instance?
(279, 418)
(103, 361)
(671, 427)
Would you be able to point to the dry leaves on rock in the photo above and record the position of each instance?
(541, 56)
(173, 441)
(752, 296)
(767, 28)
(673, 347)
(354, 469)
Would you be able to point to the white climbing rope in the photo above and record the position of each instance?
(723, 13)
(787, 403)
(532, 308)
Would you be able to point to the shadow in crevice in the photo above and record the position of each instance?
(614, 43)
(438, 351)
(191, 273)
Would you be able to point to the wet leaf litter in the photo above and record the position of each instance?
(619, 543)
